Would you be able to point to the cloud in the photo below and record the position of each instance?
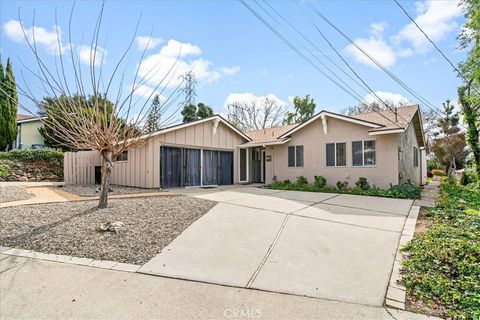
(146, 92)
(386, 96)
(147, 42)
(86, 53)
(436, 18)
(375, 46)
(248, 97)
(183, 57)
(49, 39)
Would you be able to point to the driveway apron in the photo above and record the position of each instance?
(337, 247)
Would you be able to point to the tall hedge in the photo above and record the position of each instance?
(8, 107)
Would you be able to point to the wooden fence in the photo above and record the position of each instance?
(79, 167)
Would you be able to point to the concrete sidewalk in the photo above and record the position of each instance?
(36, 289)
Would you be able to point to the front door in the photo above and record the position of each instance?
(225, 170)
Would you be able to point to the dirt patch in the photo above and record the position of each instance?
(423, 222)
(9, 194)
(71, 228)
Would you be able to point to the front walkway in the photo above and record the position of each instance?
(34, 289)
(330, 246)
(429, 195)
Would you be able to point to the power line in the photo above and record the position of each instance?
(289, 44)
(433, 43)
(315, 46)
(382, 67)
(358, 97)
(259, 17)
(347, 64)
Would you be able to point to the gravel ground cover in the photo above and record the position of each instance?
(72, 228)
(9, 194)
(88, 191)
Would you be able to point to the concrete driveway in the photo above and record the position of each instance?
(330, 246)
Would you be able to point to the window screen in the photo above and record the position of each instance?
(357, 153)
(299, 156)
(291, 156)
(331, 154)
(369, 157)
(341, 154)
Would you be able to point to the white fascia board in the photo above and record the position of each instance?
(376, 133)
(31, 120)
(262, 144)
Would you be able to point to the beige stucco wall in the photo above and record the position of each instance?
(143, 166)
(314, 141)
(29, 134)
(406, 168)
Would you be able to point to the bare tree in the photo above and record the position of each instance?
(97, 125)
(256, 114)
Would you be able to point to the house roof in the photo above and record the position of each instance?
(386, 118)
(27, 118)
(191, 123)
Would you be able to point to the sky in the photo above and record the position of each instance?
(235, 56)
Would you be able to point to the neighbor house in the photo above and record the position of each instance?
(28, 135)
(386, 147)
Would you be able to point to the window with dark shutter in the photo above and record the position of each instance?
(291, 156)
(330, 154)
(299, 156)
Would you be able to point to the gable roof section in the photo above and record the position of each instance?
(387, 118)
(191, 123)
(367, 123)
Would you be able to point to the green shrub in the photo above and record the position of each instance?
(341, 185)
(302, 181)
(362, 183)
(438, 172)
(443, 263)
(405, 191)
(4, 170)
(33, 155)
(320, 182)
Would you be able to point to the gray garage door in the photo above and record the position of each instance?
(181, 167)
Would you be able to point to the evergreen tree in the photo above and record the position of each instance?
(3, 109)
(9, 107)
(192, 112)
(153, 122)
(204, 111)
(189, 113)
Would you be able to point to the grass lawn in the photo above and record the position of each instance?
(71, 228)
(442, 268)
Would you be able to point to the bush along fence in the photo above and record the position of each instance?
(31, 165)
(442, 265)
(362, 187)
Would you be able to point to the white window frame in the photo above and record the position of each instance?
(363, 154)
(295, 156)
(335, 154)
(240, 165)
(124, 151)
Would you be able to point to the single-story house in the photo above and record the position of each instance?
(28, 135)
(386, 147)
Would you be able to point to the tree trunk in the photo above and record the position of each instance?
(107, 164)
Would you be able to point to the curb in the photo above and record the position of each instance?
(396, 293)
(86, 262)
